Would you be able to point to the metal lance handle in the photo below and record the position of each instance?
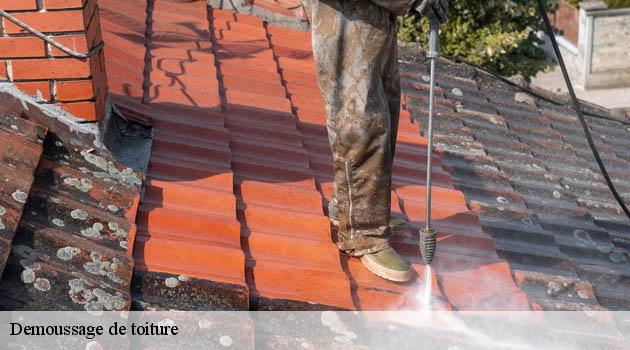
(428, 234)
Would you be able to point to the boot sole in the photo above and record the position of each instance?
(382, 272)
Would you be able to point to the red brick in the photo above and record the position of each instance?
(83, 110)
(94, 34)
(21, 47)
(68, 16)
(88, 12)
(63, 4)
(61, 21)
(50, 69)
(11, 5)
(74, 90)
(75, 42)
(32, 87)
(3, 70)
(97, 66)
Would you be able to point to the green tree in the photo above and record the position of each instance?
(612, 4)
(616, 4)
(500, 35)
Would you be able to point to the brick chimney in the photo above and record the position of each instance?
(40, 69)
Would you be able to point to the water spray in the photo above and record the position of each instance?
(428, 234)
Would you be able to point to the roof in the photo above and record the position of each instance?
(523, 162)
(286, 13)
(67, 210)
(233, 211)
(233, 214)
(256, 150)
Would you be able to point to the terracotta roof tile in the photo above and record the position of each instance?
(531, 195)
(284, 7)
(450, 208)
(195, 253)
(20, 153)
(233, 214)
(70, 248)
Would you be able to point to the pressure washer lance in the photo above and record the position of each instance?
(428, 234)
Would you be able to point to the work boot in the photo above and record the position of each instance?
(388, 265)
(398, 225)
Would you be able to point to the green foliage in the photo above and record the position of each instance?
(612, 4)
(499, 35)
(617, 4)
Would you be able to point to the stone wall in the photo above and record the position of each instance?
(603, 52)
(611, 47)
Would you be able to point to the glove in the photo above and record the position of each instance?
(437, 9)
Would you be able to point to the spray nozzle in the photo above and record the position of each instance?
(427, 245)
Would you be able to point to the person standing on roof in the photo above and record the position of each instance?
(355, 53)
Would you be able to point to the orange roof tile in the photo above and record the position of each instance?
(233, 211)
(240, 172)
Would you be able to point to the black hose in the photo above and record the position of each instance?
(578, 110)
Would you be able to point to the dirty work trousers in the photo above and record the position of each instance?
(355, 53)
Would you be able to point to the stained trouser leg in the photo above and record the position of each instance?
(352, 44)
(391, 84)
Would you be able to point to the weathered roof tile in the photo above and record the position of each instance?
(543, 153)
(70, 248)
(20, 152)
